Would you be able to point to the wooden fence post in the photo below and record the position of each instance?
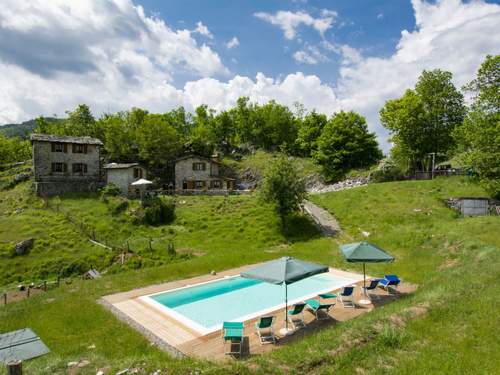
(45, 285)
(15, 368)
(5, 298)
(28, 291)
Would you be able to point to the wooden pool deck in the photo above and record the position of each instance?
(179, 339)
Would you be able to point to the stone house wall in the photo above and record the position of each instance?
(184, 171)
(123, 177)
(55, 183)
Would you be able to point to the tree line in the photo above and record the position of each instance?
(339, 143)
(431, 118)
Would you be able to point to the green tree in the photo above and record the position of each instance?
(158, 141)
(309, 131)
(81, 122)
(345, 143)
(478, 140)
(422, 121)
(283, 187)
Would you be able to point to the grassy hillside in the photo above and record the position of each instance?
(24, 129)
(204, 226)
(448, 324)
(258, 161)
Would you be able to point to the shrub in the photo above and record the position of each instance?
(110, 190)
(154, 211)
(117, 205)
(387, 170)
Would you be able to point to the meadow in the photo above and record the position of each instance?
(449, 325)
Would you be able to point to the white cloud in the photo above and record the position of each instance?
(203, 30)
(234, 42)
(310, 55)
(449, 35)
(59, 53)
(290, 21)
(126, 59)
(380, 16)
(297, 87)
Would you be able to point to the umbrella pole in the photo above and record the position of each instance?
(364, 277)
(286, 306)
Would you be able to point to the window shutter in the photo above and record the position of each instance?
(65, 147)
(53, 164)
(194, 166)
(84, 149)
(65, 166)
(53, 145)
(204, 166)
(84, 168)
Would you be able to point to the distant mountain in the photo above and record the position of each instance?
(24, 129)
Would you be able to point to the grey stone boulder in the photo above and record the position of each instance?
(24, 247)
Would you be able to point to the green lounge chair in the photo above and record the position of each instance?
(327, 295)
(265, 330)
(233, 332)
(296, 315)
(315, 306)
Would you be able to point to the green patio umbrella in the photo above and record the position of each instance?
(285, 270)
(365, 252)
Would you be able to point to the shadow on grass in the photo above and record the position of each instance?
(298, 227)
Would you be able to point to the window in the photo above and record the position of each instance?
(59, 167)
(199, 166)
(79, 168)
(199, 184)
(79, 149)
(137, 173)
(216, 184)
(59, 147)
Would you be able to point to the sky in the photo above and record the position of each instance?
(327, 55)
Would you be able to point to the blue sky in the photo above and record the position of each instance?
(327, 55)
(373, 26)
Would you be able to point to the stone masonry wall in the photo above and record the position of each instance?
(184, 171)
(49, 183)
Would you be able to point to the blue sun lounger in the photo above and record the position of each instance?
(389, 281)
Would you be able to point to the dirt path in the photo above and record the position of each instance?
(328, 225)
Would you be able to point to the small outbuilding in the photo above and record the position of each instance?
(123, 175)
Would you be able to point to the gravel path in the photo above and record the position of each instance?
(328, 225)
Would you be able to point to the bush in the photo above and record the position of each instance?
(387, 170)
(110, 190)
(117, 205)
(154, 211)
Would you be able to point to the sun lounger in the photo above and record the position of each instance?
(265, 330)
(233, 332)
(347, 296)
(327, 295)
(316, 307)
(389, 281)
(296, 315)
(373, 285)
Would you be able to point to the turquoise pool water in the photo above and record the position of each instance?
(206, 306)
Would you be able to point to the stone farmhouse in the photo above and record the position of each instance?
(63, 164)
(199, 173)
(123, 174)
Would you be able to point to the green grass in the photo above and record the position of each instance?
(258, 161)
(449, 325)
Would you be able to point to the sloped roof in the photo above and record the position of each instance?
(197, 157)
(120, 165)
(65, 139)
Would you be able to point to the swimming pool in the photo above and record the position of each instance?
(203, 307)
